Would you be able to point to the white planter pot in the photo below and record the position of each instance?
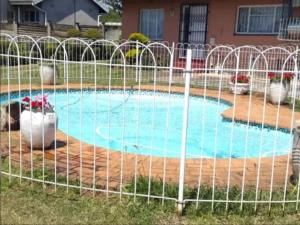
(32, 126)
(47, 74)
(239, 88)
(278, 92)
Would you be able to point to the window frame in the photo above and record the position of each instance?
(295, 3)
(152, 9)
(255, 33)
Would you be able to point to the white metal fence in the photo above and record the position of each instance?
(159, 115)
(289, 29)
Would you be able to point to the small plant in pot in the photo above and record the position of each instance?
(279, 86)
(239, 84)
(38, 122)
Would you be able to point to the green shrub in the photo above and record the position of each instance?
(104, 52)
(4, 44)
(111, 16)
(92, 34)
(131, 54)
(139, 37)
(73, 33)
(49, 49)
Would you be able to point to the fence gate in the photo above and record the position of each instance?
(193, 27)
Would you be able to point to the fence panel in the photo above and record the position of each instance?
(155, 121)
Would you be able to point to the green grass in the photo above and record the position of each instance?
(34, 203)
(293, 104)
(88, 75)
(102, 74)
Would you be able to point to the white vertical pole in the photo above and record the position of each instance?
(137, 62)
(171, 64)
(187, 75)
(65, 65)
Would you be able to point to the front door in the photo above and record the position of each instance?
(193, 26)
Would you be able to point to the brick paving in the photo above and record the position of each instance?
(68, 152)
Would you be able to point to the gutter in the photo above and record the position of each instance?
(41, 10)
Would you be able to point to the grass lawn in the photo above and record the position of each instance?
(99, 75)
(32, 204)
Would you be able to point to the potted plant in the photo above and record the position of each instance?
(47, 68)
(47, 73)
(279, 86)
(239, 84)
(38, 122)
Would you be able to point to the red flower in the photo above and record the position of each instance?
(288, 76)
(33, 104)
(279, 77)
(40, 104)
(240, 78)
(271, 75)
(26, 99)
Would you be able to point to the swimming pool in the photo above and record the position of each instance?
(150, 124)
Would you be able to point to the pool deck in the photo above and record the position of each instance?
(70, 158)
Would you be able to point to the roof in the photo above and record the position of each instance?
(21, 2)
(105, 7)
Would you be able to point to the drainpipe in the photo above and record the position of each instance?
(43, 11)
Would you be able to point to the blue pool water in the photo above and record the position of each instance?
(151, 124)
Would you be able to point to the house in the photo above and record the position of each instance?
(238, 22)
(63, 12)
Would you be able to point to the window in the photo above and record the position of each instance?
(31, 16)
(258, 19)
(151, 23)
(296, 3)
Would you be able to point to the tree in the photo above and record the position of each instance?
(111, 16)
(115, 4)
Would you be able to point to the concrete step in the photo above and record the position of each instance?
(32, 30)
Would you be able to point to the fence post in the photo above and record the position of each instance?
(137, 62)
(65, 64)
(187, 76)
(171, 64)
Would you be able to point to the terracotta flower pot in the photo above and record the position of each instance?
(278, 92)
(239, 88)
(35, 124)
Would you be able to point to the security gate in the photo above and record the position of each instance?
(193, 27)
